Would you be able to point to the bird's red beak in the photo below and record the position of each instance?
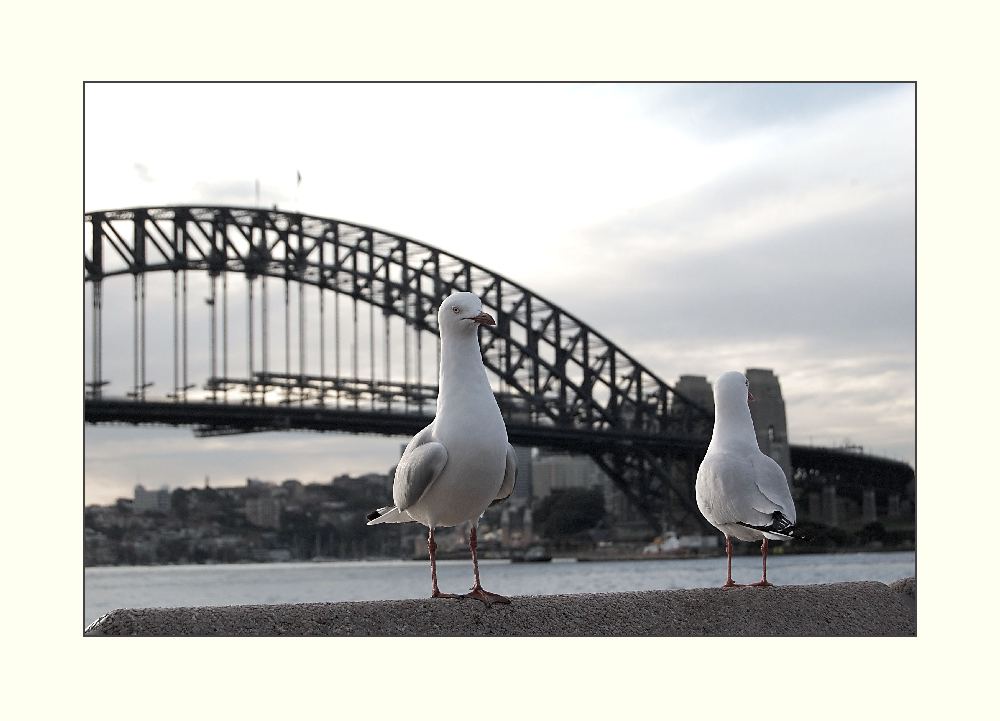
(484, 318)
(750, 396)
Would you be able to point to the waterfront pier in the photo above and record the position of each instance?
(865, 608)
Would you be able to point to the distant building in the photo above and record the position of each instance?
(158, 501)
(264, 511)
(697, 389)
(523, 488)
(768, 412)
(364, 483)
(552, 471)
(293, 488)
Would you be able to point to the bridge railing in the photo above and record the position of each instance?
(566, 371)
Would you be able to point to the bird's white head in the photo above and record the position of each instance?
(462, 313)
(732, 390)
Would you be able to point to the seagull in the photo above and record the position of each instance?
(739, 490)
(462, 463)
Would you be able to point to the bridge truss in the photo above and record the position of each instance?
(321, 324)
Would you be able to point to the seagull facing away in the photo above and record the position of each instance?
(741, 491)
(460, 464)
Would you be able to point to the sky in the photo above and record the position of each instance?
(701, 227)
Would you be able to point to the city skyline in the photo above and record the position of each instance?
(725, 226)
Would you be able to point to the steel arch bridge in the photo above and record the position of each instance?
(559, 383)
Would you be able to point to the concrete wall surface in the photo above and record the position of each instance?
(865, 608)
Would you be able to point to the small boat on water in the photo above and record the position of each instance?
(535, 554)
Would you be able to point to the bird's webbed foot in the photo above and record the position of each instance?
(481, 594)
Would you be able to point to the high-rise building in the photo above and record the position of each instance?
(152, 500)
(697, 389)
(525, 474)
(552, 471)
(768, 413)
(264, 511)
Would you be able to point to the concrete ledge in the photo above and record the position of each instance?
(863, 608)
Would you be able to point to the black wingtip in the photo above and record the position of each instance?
(781, 526)
(372, 516)
(795, 533)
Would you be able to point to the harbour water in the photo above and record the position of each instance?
(108, 588)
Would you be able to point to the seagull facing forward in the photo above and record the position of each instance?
(460, 464)
(741, 491)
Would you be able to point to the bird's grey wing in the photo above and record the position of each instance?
(509, 477)
(773, 485)
(726, 486)
(422, 462)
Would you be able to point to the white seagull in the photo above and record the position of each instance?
(460, 464)
(741, 491)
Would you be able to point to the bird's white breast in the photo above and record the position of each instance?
(477, 453)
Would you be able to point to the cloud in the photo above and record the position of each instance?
(700, 227)
(812, 238)
(722, 109)
(848, 281)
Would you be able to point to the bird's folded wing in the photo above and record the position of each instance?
(417, 470)
(731, 491)
(388, 514)
(773, 485)
(509, 476)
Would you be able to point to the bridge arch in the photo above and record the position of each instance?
(560, 383)
(541, 350)
(554, 372)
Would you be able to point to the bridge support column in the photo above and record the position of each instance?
(868, 512)
(830, 505)
(815, 506)
(894, 505)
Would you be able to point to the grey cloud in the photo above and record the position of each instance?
(828, 302)
(720, 109)
(846, 281)
(786, 180)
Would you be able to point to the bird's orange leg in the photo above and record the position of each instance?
(478, 592)
(763, 553)
(730, 583)
(432, 551)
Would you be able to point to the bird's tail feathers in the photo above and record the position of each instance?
(782, 536)
(388, 514)
(779, 529)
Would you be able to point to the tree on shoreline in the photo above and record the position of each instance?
(568, 512)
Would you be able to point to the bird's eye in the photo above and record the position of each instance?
(455, 309)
